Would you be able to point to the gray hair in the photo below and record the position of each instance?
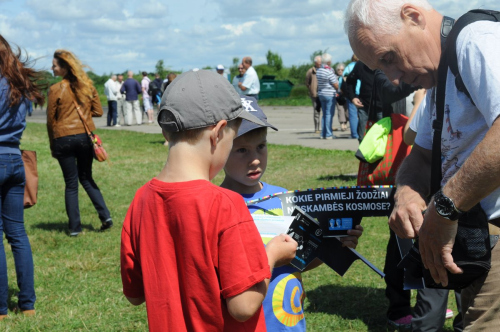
(113, 76)
(317, 58)
(380, 16)
(326, 58)
(341, 64)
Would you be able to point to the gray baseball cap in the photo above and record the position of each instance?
(199, 99)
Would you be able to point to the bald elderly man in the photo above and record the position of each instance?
(402, 38)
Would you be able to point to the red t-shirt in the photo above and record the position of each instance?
(186, 247)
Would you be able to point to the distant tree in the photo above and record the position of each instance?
(274, 60)
(98, 80)
(234, 68)
(316, 53)
(207, 67)
(160, 69)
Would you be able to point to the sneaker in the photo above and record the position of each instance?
(449, 314)
(117, 125)
(403, 322)
(74, 234)
(106, 225)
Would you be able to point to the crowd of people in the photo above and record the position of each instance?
(123, 98)
(220, 276)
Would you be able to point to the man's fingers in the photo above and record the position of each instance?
(450, 265)
(401, 225)
(440, 270)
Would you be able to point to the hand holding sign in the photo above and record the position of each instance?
(281, 250)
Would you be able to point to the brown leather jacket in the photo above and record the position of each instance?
(312, 82)
(62, 117)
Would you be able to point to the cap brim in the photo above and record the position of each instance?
(249, 126)
(249, 117)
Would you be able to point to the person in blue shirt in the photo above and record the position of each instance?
(18, 89)
(244, 169)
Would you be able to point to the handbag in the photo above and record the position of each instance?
(31, 174)
(100, 153)
(383, 171)
(471, 252)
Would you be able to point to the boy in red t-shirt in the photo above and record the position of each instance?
(190, 249)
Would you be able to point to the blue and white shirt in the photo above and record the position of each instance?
(283, 304)
(326, 79)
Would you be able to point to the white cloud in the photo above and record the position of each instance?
(112, 35)
(239, 29)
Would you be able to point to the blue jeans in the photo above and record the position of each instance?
(12, 182)
(328, 107)
(75, 157)
(353, 119)
(112, 112)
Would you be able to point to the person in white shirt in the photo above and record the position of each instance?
(146, 98)
(111, 92)
(250, 84)
(120, 102)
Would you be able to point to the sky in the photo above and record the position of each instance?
(114, 36)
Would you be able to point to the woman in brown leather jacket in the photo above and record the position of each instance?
(69, 143)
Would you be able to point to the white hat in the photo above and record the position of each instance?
(219, 67)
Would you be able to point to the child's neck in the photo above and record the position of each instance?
(185, 163)
(240, 188)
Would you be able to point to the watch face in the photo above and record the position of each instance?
(444, 205)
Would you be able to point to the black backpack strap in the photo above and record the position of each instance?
(437, 126)
(451, 44)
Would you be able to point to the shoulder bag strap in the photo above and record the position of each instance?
(437, 124)
(82, 118)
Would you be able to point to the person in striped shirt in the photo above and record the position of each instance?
(328, 85)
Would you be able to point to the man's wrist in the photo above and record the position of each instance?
(445, 206)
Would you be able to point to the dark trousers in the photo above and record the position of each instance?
(75, 157)
(12, 182)
(399, 299)
(256, 96)
(430, 310)
(363, 120)
(112, 112)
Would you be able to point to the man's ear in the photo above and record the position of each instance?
(413, 15)
(217, 132)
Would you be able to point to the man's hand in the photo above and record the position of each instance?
(437, 237)
(406, 217)
(357, 103)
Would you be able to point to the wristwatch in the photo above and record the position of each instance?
(445, 207)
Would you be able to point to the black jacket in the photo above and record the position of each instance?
(385, 94)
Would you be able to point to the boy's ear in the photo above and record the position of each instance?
(217, 132)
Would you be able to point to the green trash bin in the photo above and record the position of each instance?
(271, 88)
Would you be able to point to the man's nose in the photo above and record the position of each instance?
(394, 75)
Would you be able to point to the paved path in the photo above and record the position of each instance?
(295, 124)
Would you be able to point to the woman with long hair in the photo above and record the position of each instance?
(69, 142)
(18, 88)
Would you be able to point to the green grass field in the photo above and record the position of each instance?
(78, 282)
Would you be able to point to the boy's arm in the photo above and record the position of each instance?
(280, 251)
